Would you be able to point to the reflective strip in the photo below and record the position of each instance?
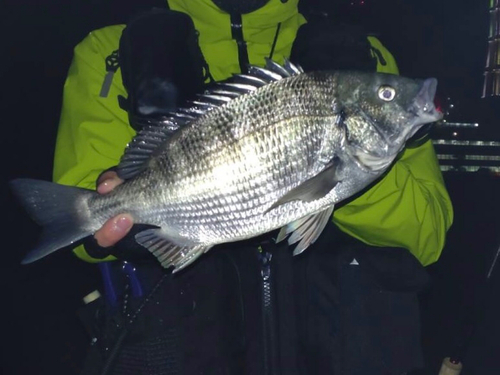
(453, 142)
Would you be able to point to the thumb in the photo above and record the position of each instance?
(114, 230)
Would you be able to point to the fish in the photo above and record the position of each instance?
(275, 148)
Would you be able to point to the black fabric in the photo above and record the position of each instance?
(322, 44)
(128, 249)
(237, 34)
(360, 318)
(329, 316)
(194, 321)
(159, 355)
(162, 64)
(94, 250)
(270, 348)
(240, 6)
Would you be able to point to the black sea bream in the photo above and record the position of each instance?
(276, 148)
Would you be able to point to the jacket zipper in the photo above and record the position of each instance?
(268, 321)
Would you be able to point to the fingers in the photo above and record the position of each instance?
(114, 230)
(117, 227)
(107, 182)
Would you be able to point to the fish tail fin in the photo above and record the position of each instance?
(54, 207)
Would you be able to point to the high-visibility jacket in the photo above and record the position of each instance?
(408, 208)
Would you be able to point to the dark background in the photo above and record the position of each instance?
(446, 39)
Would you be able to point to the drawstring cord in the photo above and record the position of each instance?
(275, 41)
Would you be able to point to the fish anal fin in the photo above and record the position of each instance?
(169, 253)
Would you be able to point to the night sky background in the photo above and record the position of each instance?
(445, 39)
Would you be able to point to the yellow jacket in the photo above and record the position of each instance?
(408, 208)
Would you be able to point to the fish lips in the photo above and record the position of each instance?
(423, 105)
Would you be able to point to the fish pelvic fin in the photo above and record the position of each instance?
(54, 207)
(306, 230)
(168, 253)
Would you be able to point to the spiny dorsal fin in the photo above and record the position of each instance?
(274, 71)
(140, 149)
(152, 136)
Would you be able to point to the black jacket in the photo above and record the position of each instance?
(252, 308)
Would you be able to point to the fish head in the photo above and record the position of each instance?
(381, 112)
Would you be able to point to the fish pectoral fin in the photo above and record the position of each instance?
(306, 230)
(170, 254)
(314, 188)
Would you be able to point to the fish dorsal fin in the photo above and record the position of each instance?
(274, 71)
(155, 133)
(240, 84)
(144, 144)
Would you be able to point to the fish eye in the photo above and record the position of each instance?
(386, 93)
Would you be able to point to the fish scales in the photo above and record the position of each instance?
(232, 170)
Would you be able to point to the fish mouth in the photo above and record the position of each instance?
(423, 105)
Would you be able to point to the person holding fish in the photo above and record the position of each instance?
(246, 144)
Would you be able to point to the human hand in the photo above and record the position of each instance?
(117, 227)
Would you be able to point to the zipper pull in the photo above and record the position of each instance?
(265, 258)
(112, 65)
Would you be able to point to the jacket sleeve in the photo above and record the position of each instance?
(93, 130)
(410, 207)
